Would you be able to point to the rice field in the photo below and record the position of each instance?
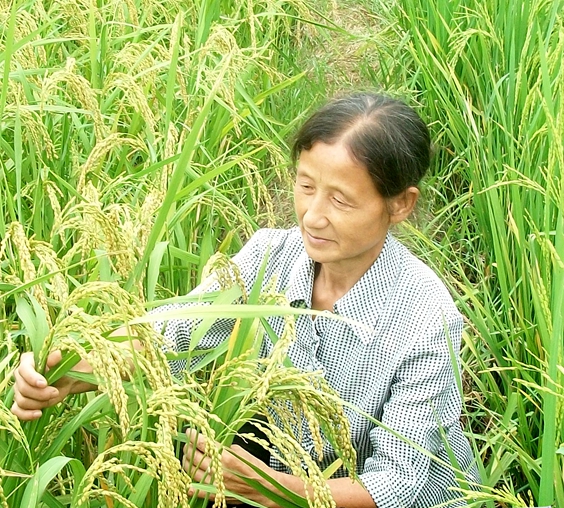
(138, 139)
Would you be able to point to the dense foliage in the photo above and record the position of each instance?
(488, 75)
(137, 138)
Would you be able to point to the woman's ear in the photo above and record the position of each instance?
(401, 206)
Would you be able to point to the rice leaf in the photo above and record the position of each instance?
(45, 474)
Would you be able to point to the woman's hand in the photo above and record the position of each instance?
(197, 464)
(31, 391)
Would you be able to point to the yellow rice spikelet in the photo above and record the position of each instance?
(24, 250)
(10, 423)
(74, 18)
(225, 272)
(33, 129)
(132, 11)
(28, 55)
(171, 146)
(49, 262)
(177, 402)
(141, 228)
(77, 331)
(134, 96)
(102, 148)
(108, 363)
(160, 463)
(312, 403)
(141, 62)
(53, 194)
(3, 500)
(261, 196)
(94, 227)
(77, 88)
(290, 452)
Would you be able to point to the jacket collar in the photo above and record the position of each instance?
(365, 301)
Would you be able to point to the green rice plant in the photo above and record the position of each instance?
(488, 77)
(118, 446)
(118, 101)
(136, 137)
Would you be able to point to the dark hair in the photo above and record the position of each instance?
(384, 134)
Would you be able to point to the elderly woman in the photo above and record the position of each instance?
(358, 161)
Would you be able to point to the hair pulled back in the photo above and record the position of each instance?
(383, 134)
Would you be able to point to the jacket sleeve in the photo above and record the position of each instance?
(423, 400)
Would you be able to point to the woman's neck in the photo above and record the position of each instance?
(330, 284)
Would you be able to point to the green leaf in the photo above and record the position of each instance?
(141, 489)
(153, 268)
(45, 474)
(331, 469)
(225, 297)
(34, 320)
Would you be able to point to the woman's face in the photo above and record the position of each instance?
(342, 217)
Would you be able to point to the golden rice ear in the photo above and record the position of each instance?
(289, 451)
(225, 272)
(77, 88)
(3, 498)
(183, 403)
(15, 234)
(33, 127)
(159, 462)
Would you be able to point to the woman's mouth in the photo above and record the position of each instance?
(317, 240)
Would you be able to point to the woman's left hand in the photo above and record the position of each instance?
(198, 466)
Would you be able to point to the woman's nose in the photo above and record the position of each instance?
(315, 215)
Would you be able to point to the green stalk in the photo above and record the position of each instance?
(175, 181)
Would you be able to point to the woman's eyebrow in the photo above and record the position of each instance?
(301, 171)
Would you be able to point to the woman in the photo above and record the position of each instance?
(359, 160)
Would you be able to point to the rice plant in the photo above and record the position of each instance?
(488, 75)
(134, 138)
(108, 96)
(119, 446)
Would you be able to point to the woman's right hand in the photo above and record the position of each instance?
(31, 391)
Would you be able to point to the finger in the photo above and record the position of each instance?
(194, 460)
(53, 359)
(23, 391)
(198, 440)
(30, 404)
(197, 464)
(28, 373)
(201, 476)
(25, 415)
